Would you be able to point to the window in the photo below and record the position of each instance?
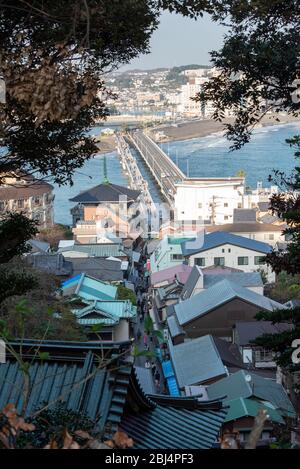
(199, 205)
(225, 217)
(258, 260)
(243, 260)
(229, 249)
(271, 236)
(219, 261)
(223, 250)
(199, 261)
(176, 257)
(225, 204)
(21, 203)
(2, 206)
(239, 205)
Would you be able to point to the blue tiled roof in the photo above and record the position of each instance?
(218, 294)
(218, 238)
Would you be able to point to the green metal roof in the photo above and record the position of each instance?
(240, 407)
(105, 312)
(237, 385)
(72, 371)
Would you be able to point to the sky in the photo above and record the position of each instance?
(180, 41)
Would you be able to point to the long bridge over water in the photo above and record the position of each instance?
(163, 169)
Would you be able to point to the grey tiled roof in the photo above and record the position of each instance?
(106, 193)
(196, 361)
(220, 293)
(97, 267)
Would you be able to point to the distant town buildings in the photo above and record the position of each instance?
(33, 197)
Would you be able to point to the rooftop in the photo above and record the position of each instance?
(217, 295)
(111, 395)
(245, 384)
(196, 361)
(245, 279)
(95, 250)
(106, 192)
(88, 288)
(219, 238)
(246, 227)
(249, 331)
(179, 272)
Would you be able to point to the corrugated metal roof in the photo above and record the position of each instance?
(96, 250)
(217, 295)
(218, 238)
(239, 408)
(236, 385)
(196, 361)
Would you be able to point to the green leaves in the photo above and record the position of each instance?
(148, 324)
(142, 353)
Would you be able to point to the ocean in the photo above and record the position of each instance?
(210, 156)
(200, 157)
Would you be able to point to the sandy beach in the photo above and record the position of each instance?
(203, 128)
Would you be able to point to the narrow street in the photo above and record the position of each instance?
(147, 341)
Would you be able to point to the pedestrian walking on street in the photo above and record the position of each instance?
(145, 339)
(157, 378)
(138, 334)
(147, 364)
(153, 368)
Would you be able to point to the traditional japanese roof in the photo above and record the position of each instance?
(106, 192)
(179, 272)
(38, 246)
(249, 331)
(173, 422)
(238, 385)
(214, 297)
(25, 188)
(219, 238)
(196, 361)
(245, 279)
(105, 312)
(88, 288)
(174, 328)
(63, 377)
(110, 395)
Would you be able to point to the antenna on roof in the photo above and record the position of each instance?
(105, 178)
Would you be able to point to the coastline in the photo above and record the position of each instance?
(204, 128)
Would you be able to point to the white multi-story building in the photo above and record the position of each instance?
(208, 200)
(222, 249)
